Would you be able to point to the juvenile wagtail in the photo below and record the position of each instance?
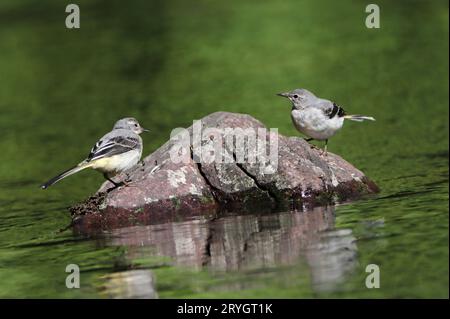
(317, 118)
(116, 152)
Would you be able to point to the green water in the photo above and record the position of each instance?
(169, 62)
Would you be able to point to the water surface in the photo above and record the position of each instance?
(170, 62)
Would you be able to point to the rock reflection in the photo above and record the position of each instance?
(251, 242)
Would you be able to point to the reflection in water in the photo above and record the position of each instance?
(135, 284)
(330, 258)
(250, 242)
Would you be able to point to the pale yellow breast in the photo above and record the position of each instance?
(117, 163)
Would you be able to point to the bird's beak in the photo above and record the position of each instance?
(283, 94)
(145, 130)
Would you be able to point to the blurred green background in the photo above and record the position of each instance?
(170, 62)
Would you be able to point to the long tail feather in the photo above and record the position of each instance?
(359, 118)
(65, 174)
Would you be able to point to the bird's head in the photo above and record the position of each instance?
(298, 97)
(129, 123)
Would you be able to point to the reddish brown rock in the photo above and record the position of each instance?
(163, 189)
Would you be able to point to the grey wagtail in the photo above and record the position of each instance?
(116, 152)
(317, 118)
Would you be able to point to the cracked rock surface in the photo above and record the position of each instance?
(164, 188)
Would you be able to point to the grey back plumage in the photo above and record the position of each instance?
(117, 141)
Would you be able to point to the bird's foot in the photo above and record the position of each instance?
(115, 186)
(127, 182)
(311, 145)
(324, 153)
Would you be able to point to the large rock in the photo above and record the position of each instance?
(164, 189)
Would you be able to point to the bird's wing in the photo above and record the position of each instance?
(114, 144)
(329, 108)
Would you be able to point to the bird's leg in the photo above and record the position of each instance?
(324, 152)
(111, 181)
(142, 163)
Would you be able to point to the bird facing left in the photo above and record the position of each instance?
(317, 118)
(116, 152)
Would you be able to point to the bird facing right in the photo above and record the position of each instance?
(116, 152)
(317, 118)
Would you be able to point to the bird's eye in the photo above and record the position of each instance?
(135, 125)
(295, 96)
